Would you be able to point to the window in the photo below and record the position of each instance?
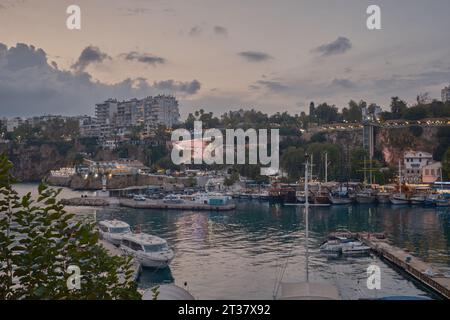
(427, 172)
(155, 247)
(136, 246)
(432, 172)
(120, 230)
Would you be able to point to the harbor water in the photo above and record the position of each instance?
(241, 254)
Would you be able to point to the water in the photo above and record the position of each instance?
(240, 254)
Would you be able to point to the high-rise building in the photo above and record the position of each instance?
(121, 117)
(446, 94)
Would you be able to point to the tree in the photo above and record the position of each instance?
(39, 240)
(292, 161)
(446, 165)
(398, 107)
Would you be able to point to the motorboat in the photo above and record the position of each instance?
(399, 199)
(430, 200)
(344, 245)
(150, 251)
(113, 230)
(301, 198)
(366, 197)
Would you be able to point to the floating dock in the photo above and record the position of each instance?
(186, 205)
(414, 266)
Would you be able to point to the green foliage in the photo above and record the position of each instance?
(39, 240)
(292, 162)
(446, 165)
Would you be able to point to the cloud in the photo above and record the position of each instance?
(195, 31)
(190, 88)
(30, 85)
(143, 58)
(88, 56)
(220, 31)
(339, 46)
(255, 56)
(342, 83)
(275, 86)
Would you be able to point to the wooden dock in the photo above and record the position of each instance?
(186, 205)
(414, 266)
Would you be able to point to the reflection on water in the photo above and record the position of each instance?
(240, 254)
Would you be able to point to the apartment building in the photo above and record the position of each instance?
(414, 162)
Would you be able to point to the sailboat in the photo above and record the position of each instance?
(399, 198)
(306, 290)
(442, 201)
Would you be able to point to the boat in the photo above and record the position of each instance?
(366, 197)
(383, 197)
(113, 230)
(150, 251)
(442, 201)
(418, 199)
(321, 198)
(430, 200)
(399, 199)
(340, 197)
(344, 245)
(300, 195)
(264, 196)
(172, 198)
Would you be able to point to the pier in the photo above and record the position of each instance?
(186, 205)
(414, 266)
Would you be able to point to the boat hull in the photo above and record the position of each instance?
(365, 199)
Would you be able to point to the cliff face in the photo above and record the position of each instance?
(33, 163)
(390, 144)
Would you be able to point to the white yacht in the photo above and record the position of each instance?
(113, 230)
(344, 245)
(150, 251)
(399, 199)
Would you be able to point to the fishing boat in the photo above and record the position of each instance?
(418, 199)
(113, 230)
(366, 197)
(301, 198)
(339, 198)
(321, 198)
(430, 200)
(150, 251)
(399, 198)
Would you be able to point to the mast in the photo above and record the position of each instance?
(326, 167)
(306, 219)
(400, 175)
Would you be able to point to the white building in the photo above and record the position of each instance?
(445, 94)
(118, 118)
(13, 123)
(432, 172)
(414, 161)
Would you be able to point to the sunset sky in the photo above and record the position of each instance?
(219, 54)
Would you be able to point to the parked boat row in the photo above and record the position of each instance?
(148, 250)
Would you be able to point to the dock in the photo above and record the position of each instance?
(423, 272)
(186, 205)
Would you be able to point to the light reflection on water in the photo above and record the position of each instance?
(239, 254)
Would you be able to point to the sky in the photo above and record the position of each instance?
(219, 55)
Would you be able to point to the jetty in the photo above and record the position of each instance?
(423, 272)
(185, 205)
